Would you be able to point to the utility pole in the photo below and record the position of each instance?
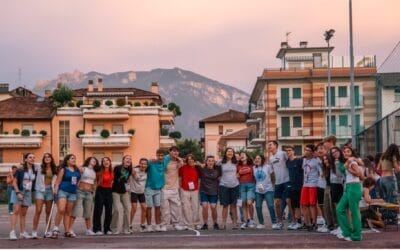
(328, 35)
(352, 96)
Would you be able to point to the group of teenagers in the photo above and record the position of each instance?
(324, 190)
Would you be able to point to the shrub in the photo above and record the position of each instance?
(25, 132)
(130, 103)
(109, 103)
(121, 102)
(131, 131)
(165, 106)
(96, 103)
(146, 103)
(137, 104)
(16, 131)
(62, 95)
(152, 104)
(71, 104)
(43, 132)
(175, 135)
(173, 107)
(105, 133)
(34, 132)
(79, 133)
(79, 103)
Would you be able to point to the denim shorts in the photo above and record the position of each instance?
(26, 201)
(282, 191)
(247, 191)
(46, 195)
(206, 198)
(228, 196)
(153, 197)
(65, 195)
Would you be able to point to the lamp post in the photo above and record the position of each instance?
(352, 97)
(328, 35)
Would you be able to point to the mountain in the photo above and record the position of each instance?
(198, 96)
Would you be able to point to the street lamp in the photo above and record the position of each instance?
(328, 35)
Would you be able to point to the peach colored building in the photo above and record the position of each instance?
(220, 125)
(290, 104)
(132, 118)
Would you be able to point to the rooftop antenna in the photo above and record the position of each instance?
(287, 36)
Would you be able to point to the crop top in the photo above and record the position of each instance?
(88, 175)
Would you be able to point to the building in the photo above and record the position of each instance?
(290, 104)
(237, 140)
(217, 126)
(97, 122)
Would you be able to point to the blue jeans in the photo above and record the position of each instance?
(10, 205)
(388, 187)
(269, 198)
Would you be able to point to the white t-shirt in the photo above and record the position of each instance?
(311, 173)
(278, 162)
(262, 175)
(350, 178)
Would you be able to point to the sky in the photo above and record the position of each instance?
(230, 41)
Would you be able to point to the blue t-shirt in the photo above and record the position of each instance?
(70, 180)
(156, 172)
(295, 167)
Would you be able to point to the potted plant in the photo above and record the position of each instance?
(121, 102)
(16, 131)
(146, 103)
(105, 133)
(34, 132)
(131, 131)
(43, 132)
(71, 104)
(79, 103)
(79, 133)
(96, 103)
(25, 132)
(109, 103)
(137, 104)
(5, 132)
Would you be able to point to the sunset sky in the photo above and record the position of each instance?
(229, 41)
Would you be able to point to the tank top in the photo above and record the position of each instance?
(387, 165)
(88, 175)
(350, 178)
(107, 179)
(70, 180)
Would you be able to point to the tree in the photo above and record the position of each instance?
(62, 96)
(175, 135)
(173, 107)
(190, 146)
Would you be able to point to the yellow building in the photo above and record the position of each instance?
(290, 104)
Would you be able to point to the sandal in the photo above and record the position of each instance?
(54, 234)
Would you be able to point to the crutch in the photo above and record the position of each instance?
(51, 214)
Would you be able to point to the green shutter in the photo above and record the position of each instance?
(343, 120)
(342, 91)
(357, 95)
(296, 93)
(285, 98)
(333, 101)
(358, 123)
(285, 121)
(297, 122)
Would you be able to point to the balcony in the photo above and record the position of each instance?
(166, 117)
(166, 142)
(313, 133)
(114, 140)
(250, 122)
(257, 112)
(316, 103)
(19, 141)
(106, 113)
(257, 137)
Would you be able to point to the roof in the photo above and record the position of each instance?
(112, 92)
(21, 91)
(283, 51)
(240, 134)
(18, 108)
(389, 79)
(228, 116)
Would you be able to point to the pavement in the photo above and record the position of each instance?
(249, 238)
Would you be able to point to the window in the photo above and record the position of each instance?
(317, 60)
(397, 123)
(97, 129)
(117, 157)
(296, 93)
(28, 127)
(1, 155)
(397, 94)
(64, 139)
(220, 129)
(342, 91)
(298, 150)
(98, 155)
(297, 122)
(117, 129)
(343, 120)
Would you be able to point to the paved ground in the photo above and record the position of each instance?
(250, 238)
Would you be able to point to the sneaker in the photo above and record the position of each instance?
(198, 227)
(157, 228)
(323, 229)
(90, 233)
(320, 220)
(337, 231)
(34, 235)
(13, 235)
(25, 235)
(347, 239)
(47, 235)
(216, 226)
(55, 233)
(11, 213)
(290, 226)
(163, 228)
(296, 226)
(277, 226)
(116, 232)
(243, 226)
(180, 228)
(205, 227)
(99, 233)
(311, 228)
(251, 224)
(340, 236)
(72, 234)
(127, 232)
(149, 229)
(109, 233)
(142, 228)
(260, 226)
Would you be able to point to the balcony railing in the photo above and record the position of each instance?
(19, 141)
(166, 142)
(316, 103)
(101, 113)
(114, 140)
(257, 137)
(300, 133)
(167, 117)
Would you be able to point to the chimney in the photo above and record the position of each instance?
(284, 45)
(154, 88)
(100, 84)
(303, 44)
(4, 88)
(90, 86)
(47, 92)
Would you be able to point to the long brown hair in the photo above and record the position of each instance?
(52, 164)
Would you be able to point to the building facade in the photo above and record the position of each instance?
(290, 104)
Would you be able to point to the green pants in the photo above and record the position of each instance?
(350, 200)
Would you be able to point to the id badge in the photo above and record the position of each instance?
(74, 180)
(127, 187)
(191, 185)
(260, 188)
(239, 202)
(28, 186)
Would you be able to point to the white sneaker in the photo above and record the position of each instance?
(116, 233)
(90, 232)
(347, 239)
(340, 236)
(251, 224)
(243, 226)
(323, 229)
(11, 213)
(163, 228)
(277, 226)
(180, 228)
(127, 232)
(99, 233)
(320, 220)
(25, 235)
(149, 229)
(109, 233)
(13, 235)
(336, 231)
(34, 235)
(260, 226)
(290, 226)
(48, 234)
(198, 227)
(296, 226)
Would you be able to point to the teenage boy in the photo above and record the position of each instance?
(308, 200)
(295, 167)
(278, 160)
